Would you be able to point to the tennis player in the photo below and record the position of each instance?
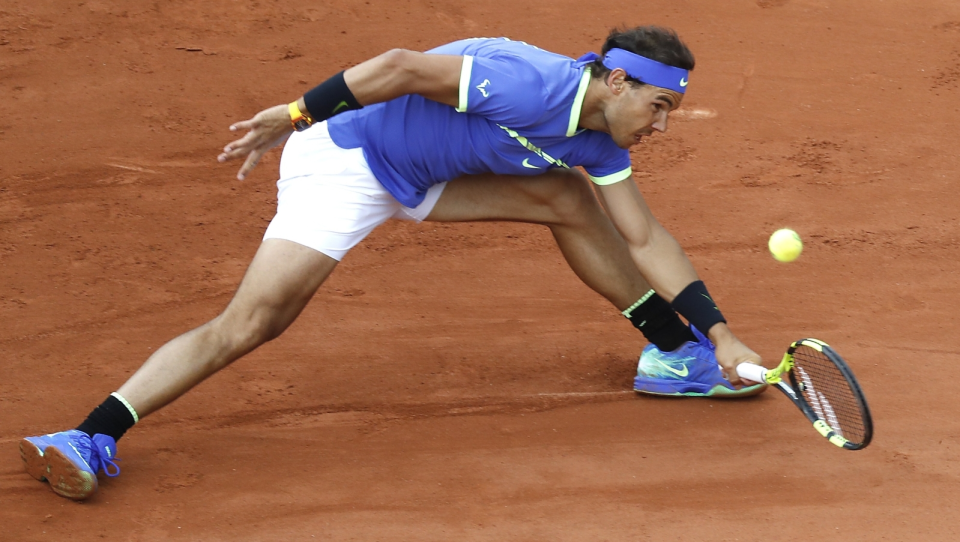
(479, 129)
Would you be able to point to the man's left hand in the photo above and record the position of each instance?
(268, 129)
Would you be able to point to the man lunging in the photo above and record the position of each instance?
(479, 129)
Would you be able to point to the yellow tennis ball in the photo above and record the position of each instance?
(785, 245)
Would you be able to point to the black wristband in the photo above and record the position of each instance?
(695, 304)
(329, 98)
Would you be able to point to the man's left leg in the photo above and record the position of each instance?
(677, 362)
(563, 201)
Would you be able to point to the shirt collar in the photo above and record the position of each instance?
(578, 103)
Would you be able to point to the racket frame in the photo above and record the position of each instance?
(774, 377)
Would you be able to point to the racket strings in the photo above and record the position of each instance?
(828, 393)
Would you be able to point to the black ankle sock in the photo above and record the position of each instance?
(111, 418)
(659, 323)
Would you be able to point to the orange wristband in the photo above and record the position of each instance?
(299, 120)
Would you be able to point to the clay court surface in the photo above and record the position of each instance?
(457, 382)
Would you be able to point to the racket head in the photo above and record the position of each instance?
(829, 394)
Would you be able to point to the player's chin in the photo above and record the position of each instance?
(630, 140)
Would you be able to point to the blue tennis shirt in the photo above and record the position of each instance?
(518, 113)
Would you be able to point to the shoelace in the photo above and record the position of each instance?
(102, 454)
(702, 339)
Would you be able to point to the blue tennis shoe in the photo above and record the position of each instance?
(690, 370)
(69, 461)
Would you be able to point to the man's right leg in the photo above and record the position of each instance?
(281, 279)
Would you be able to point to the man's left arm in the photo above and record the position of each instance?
(382, 78)
(666, 267)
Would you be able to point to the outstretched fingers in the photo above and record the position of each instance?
(248, 124)
(251, 162)
(266, 130)
(239, 147)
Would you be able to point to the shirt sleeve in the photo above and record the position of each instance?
(609, 165)
(505, 88)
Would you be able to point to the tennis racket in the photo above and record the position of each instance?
(823, 387)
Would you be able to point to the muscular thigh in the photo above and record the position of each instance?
(542, 199)
(281, 279)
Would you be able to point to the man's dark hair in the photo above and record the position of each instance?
(654, 42)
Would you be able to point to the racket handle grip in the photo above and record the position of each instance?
(751, 371)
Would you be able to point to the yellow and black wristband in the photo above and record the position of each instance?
(300, 120)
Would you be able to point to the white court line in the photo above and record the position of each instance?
(581, 393)
(132, 168)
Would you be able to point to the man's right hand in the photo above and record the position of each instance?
(731, 352)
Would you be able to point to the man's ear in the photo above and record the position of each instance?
(617, 80)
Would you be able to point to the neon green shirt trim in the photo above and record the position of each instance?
(613, 177)
(465, 70)
(578, 103)
(533, 148)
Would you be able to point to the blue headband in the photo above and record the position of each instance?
(642, 68)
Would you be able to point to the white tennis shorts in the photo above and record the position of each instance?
(329, 200)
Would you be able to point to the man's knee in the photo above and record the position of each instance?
(568, 194)
(247, 330)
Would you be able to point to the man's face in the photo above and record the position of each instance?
(637, 110)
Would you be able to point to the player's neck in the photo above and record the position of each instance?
(592, 111)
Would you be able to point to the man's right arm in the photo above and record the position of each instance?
(666, 267)
(656, 253)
